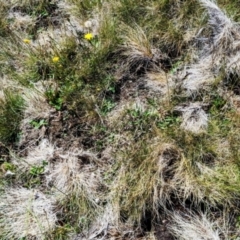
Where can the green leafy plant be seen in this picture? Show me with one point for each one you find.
(8, 166)
(168, 121)
(107, 106)
(140, 122)
(175, 66)
(38, 123)
(60, 232)
(38, 170)
(54, 98)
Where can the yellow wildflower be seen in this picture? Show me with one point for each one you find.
(88, 36)
(27, 41)
(55, 59)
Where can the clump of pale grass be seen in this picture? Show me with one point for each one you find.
(26, 213)
(20, 22)
(107, 219)
(109, 216)
(36, 109)
(53, 39)
(197, 76)
(168, 160)
(218, 18)
(226, 39)
(49, 38)
(222, 26)
(117, 113)
(75, 174)
(44, 151)
(36, 155)
(8, 83)
(92, 25)
(184, 181)
(36, 106)
(194, 118)
(221, 52)
(108, 225)
(193, 226)
(36, 103)
(136, 44)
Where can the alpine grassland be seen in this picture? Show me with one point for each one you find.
(119, 119)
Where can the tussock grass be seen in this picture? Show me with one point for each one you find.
(137, 51)
(194, 118)
(68, 179)
(32, 211)
(36, 104)
(76, 185)
(221, 53)
(149, 188)
(198, 227)
(36, 155)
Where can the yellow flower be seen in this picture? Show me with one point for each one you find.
(88, 36)
(27, 41)
(55, 59)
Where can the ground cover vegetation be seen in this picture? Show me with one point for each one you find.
(119, 119)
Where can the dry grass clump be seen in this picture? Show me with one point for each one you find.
(199, 182)
(75, 181)
(9, 84)
(36, 110)
(224, 29)
(150, 186)
(108, 225)
(225, 47)
(26, 213)
(219, 57)
(36, 155)
(194, 118)
(36, 103)
(54, 38)
(75, 174)
(20, 21)
(137, 51)
(164, 172)
(196, 226)
(220, 184)
(197, 77)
